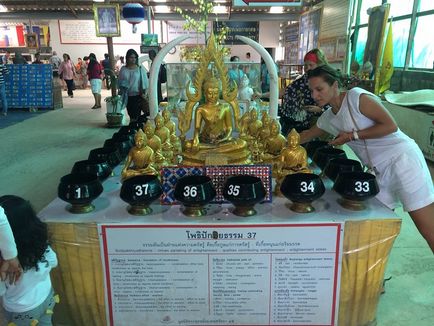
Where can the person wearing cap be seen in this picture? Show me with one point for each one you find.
(299, 110)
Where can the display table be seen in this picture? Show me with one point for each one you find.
(368, 239)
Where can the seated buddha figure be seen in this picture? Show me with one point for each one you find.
(162, 132)
(293, 159)
(255, 124)
(174, 139)
(155, 143)
(212, 133)
(140, 159)
(273, 145)
(244, 124)
(264, 133)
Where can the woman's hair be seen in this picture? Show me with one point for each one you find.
(328, 73)
(92, 61)
(131, 52)
(321, 59)
(67, 56)
(29, 231)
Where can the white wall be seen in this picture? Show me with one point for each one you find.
(268, 37)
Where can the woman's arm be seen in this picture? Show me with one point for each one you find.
(313, 132)
(374, 110)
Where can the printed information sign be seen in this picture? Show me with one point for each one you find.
(260, 274)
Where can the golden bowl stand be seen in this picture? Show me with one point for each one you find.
(139, 210)
(80, 209)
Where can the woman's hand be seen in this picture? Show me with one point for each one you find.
(10, 270)
(342, 138)
(312, 108)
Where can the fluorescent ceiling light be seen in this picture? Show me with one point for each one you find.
(220, 10)
(160, 1)
(276, 10)
(3, 8)
(162, 9)
(98, 0)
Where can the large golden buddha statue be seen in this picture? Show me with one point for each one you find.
(140, 158)
(215, 118)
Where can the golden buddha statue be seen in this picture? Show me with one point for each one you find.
(162, 132)
(174, 139)
(213, 119)
(264, 133)
(273, 146)
(141, 156)
(293, 159)
(168, 123)
(155, 143)
(244, 124)
(255, 124)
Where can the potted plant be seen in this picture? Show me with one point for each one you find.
(114, 113)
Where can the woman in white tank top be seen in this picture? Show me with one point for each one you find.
(358, 119)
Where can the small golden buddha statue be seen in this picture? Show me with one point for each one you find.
(155, 143)
(264, 133)
(168, 123)
(255, 124)
(273, 146)
(141, 156)
(244, 124)
(174, 139)
(164, 134)
(293, 159)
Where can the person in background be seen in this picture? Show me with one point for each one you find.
(30, 300)
(357, 118)
(67, 73)
(19, 59)
(134, 81)
(4, 71)
(265, 78)
(83, 71)
(248, 57)
(298, 108)
(6, 58)
(235, 73)
(10, 268)
(94, 71)
(37, 59)
(119, 63)
(106, 66)
(55, 62)
(162, 75)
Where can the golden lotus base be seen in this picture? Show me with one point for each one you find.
(231, 155)
(193, 211)
(352, 205)
(244, 211)
(80, 209)
(139, 210)
(302, 207)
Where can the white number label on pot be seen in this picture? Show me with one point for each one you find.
(190, 191)
(78, 193)
(141, 189)
(307, 187)
(362, 186)
(233, 190)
